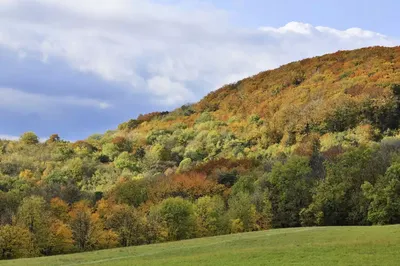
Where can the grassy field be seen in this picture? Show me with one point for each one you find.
(295, 246)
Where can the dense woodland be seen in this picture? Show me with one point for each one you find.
(312, 143)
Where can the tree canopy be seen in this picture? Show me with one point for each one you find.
(314, 142)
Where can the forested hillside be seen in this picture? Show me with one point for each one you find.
(314, 142)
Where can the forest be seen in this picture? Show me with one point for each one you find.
(312, 143)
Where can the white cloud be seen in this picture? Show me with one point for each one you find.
(175, 53)
(27, 103)
(6, 3)
(11, 137)
(8, 137)
(292, 27)
(169, 92)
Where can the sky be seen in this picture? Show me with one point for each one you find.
(81, 67)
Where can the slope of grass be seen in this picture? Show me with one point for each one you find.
(295, 246)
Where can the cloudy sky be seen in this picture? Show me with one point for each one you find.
(80, 67)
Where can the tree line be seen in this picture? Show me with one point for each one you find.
(359, 186)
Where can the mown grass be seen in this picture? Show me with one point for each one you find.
(378, 245)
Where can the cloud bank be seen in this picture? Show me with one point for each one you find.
(27, 103)
(8, 137)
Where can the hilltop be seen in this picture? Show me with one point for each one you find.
(326, 94)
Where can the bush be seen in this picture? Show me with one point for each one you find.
(29, 138)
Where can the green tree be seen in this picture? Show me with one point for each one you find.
(185, 164)
(127, 223)
(289, 187)
(80, 170)
(33, 215)
(210, 216)
(125, 161)
(8, 205)
(178, 216)
(339, 199)
(29, 138)
(111, 150)
(131, 192)
(242, 213)
(384, 197)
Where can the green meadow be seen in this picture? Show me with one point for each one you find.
(376, 245)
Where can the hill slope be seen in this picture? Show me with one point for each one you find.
(308, 92)
(315, 142)
(304, 246)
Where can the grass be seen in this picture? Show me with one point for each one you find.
(378, 245)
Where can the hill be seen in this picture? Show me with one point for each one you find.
(306, 96)
(301, 246)
(312, 143)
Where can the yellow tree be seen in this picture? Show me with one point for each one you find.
(61, 238)
(59, 209)
(88, 230)
(15, 242)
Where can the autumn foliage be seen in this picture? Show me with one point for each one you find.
(312, 143)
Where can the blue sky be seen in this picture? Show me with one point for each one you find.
(80, 67)
(379, 16)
